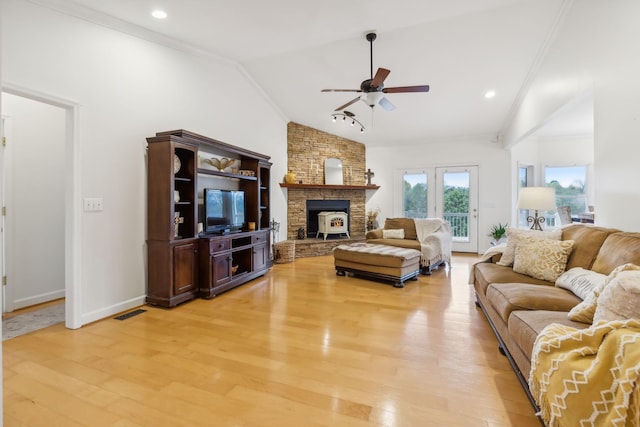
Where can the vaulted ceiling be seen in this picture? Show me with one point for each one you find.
(292, 49)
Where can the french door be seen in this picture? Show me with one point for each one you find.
(457, 202)
(450, 193)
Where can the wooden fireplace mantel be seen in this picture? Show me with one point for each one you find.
(330, 186)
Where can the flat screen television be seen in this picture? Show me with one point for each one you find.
(223, 210)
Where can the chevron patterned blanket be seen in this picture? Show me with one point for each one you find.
(588, 377)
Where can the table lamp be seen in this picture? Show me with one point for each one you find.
(538, 199)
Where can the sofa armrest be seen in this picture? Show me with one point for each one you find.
(374, 234)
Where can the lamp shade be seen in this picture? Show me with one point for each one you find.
(540, 198)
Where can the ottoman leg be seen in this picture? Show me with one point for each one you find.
(398, 285)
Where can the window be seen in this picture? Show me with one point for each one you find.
(570, 183)
(415, 195)
(525, 179)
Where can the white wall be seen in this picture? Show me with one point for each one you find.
(127, 89)
(597, 49)
(494, 176)
(34, 171)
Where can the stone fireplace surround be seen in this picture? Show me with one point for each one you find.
(307, 148)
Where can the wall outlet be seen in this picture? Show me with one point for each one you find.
(92, 204)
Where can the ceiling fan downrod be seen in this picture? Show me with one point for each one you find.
(371, 37)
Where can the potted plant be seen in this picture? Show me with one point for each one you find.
(498, 232)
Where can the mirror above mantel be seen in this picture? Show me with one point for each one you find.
(333, 171)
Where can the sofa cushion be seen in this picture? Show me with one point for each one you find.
(542, 258)
(580, 281)
(393, 233)
(588, 240)
(486, 273)
(618, 249)
(513, 238)
(620, 299)
(508, 297)
(525, 325)
(585, 311)
(407, 224)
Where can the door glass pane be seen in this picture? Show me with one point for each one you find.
(456, 204)
(415, 195)
(570, 184)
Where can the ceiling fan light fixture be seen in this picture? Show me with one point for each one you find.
(372, 98)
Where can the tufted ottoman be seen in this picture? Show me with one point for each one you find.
(378, 262)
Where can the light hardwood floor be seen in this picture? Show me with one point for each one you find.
(298, 347)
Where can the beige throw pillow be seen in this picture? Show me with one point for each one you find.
(585, 311)
(393, 234)
(542, 259)
(620, 299)
(513, 237)
(580, 281)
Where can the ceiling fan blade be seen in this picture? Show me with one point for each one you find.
(342, 107)
(341, 90)
(400, 89)
(378, 79)
(386, 104)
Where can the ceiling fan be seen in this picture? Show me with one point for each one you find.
(373, 88)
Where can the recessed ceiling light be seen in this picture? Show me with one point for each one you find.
(159, 14)
(490, 94)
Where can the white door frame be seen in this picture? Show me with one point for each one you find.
(472, 244)
(72, 202)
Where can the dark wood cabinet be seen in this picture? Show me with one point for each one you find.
(172, 271)
(229, 261)
(184, 263)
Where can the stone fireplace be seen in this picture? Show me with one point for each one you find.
(307, 149)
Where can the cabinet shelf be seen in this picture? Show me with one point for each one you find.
(226, 174)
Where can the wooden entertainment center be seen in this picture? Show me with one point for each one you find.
(184, 263)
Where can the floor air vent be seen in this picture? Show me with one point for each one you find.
(130, 314)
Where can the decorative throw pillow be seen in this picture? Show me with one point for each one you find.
(543, 259)
(580, 281)
(513, 237)
(585, 311)
(393, 234)
(620, 299)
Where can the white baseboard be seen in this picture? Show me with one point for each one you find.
(38, 299)
(113, 309)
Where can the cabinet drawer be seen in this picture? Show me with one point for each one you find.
(219, 245)
(259, 238)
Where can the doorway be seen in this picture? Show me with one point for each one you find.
(457, 202)
(33, 199)
(66, 195)
(450, 193)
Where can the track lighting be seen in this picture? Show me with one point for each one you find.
(351, 117)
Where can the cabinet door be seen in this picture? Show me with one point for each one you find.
(260, 257)
(185, 267)
(220, 269)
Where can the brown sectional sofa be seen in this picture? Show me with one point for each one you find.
(518, 306)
